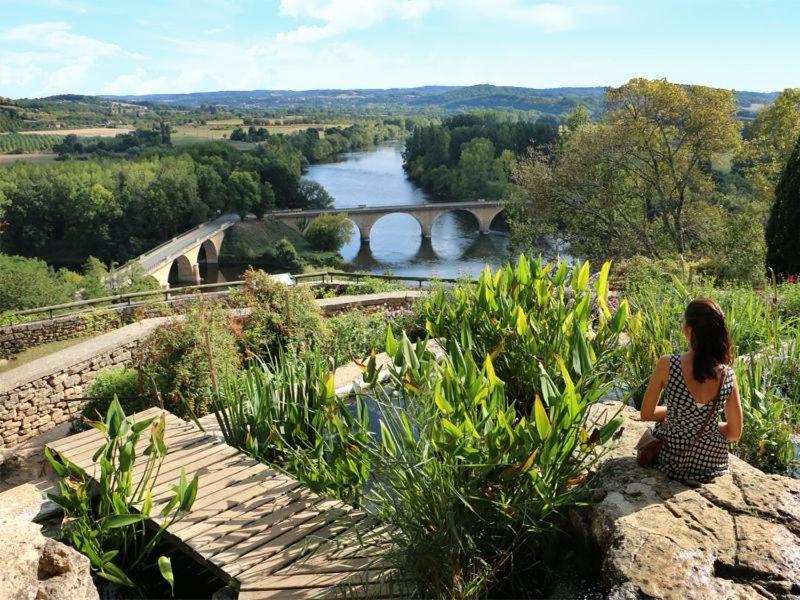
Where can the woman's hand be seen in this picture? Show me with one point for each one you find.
(650, 410)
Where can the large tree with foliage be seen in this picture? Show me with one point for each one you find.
(783, 228)
(637, 182)
(329, 232)
(771, 139)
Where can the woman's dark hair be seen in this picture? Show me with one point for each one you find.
(710, 341)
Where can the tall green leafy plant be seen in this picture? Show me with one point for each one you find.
(468, 479)
(533, 316)
(286, 413)
(105, 520)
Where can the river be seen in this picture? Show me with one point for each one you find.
(375, 177)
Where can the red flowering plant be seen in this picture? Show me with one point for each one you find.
(173, 361)
(280, 316)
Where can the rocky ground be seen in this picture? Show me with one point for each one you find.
(736, 537)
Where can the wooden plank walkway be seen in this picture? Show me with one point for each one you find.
(254, 527)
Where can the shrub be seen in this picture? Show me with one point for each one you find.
(373, 285)
(281, 316)
(287, 256)
(121, 383)
(329, 232)
(105, 521)
(471, 481)
(353, 334)
(770, 396)
(528, 316)
(287, 414)
(174, 360)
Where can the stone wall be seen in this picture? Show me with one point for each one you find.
(23, 336)
(39, 405)
(17, 338)
(43, 393)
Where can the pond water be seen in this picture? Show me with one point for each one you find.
(375, 177)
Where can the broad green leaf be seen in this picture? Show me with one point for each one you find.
(165, 567)
(601, 287)
(116, 521)
(542, 421)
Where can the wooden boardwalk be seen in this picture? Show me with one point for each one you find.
(255, 528)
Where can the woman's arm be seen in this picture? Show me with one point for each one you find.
(731, 429)
(650, 409)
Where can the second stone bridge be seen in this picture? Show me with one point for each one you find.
(484, 211)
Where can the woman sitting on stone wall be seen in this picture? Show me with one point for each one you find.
(689, 442)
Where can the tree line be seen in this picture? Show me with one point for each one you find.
(472, 155)
(667, 171)
(118, 208)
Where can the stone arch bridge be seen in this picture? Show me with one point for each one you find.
(179, 259)
(364, 218)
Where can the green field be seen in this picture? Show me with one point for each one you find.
(19, 143)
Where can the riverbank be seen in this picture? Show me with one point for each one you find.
(256, 243)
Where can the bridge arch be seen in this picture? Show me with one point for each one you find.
(500, 216)
(424, 220)
(464, 211)
(208, 252)
(182, 270)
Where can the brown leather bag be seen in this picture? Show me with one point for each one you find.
(649, 446)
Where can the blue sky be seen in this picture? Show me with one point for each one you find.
(150, 46)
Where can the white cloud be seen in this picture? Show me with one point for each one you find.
(340, 16)
(218, 30)
(60, 59)
(57, 36)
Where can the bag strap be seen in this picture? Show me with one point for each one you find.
(712, 413)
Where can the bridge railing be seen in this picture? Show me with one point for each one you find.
(170, 294)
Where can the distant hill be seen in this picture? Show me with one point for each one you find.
(74, 111)
(552, 101)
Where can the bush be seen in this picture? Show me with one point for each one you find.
(472, 482)
(287, 256)
(105, 521)
(354, 334)
(174, 361)
(286, 413)
(531, 316)
(29, 283)
(329, 232)
(121, 383)
(373, 285)
(281, 316)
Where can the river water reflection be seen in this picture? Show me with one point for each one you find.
(375, 177)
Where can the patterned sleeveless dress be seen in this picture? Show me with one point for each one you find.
(685, 418)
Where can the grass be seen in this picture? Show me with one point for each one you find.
(221, 130)
(250, 239)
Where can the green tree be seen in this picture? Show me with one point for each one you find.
(783, 227)
(771, 141)
(314, 195)
(266, 201)
(286, 254)
(243, 193)
(474, 168)
(638, 182)
(329, 232)
(28, 283)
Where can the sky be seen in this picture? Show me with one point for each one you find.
(172, 46)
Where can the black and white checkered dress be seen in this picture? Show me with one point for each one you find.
(685, 418)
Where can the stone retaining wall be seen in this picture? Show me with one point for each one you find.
(35, 397)
(15, 339)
